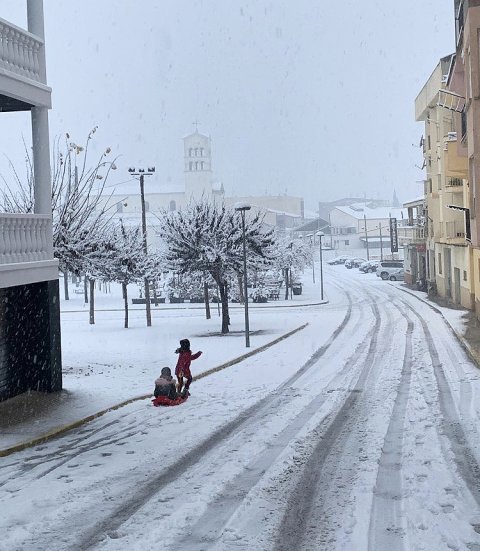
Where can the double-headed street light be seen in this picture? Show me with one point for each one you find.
(242, 208)
(142, 173)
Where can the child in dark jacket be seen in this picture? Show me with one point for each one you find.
(165, 385)
(185, 358)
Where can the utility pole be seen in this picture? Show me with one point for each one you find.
(366, 235)
(320, 235)
(141, 172)
(381, 243)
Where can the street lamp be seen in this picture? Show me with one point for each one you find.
(242, 208)
(320, 235)
(142, 173)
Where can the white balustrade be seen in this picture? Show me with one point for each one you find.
(25, 238)
(19, 51)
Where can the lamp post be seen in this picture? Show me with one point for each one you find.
(142, 173)
(320, 235)
(242, 208)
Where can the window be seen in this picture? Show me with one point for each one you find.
(201, 165)
(190, 165)
(464, 275)
(347, 242)
(201, 152)
(173, 206)
(440, 263)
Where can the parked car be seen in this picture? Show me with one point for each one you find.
(394, 274)
(369, 266)
(386, 265)
(339, 260)
(354, 262)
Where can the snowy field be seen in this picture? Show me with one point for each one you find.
(359, 432)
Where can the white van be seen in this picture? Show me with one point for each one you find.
(386, 266)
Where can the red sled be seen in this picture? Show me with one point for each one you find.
(166, 401)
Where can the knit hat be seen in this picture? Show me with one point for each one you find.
(166, 372)
(185, 344)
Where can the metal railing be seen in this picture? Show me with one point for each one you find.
(454, 182)
(20, 51)
(453, 229)
(25, 238)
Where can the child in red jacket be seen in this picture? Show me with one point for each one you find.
(185, 358)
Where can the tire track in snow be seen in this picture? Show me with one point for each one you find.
(465, 459)
(385, 530)
(155, 484)
(208, 528)
(298, 515)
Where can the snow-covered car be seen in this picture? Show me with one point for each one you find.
(369, 267)
(393, 274)
(354, 262)
(386, 265)
(338, 260)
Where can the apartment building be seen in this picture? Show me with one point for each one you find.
(448, 255)
(464, 83)
(30, 352)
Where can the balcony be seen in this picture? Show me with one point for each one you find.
(456, 164)
(22, 70)
(454, 185)
(412, 234)
(26, 250)
(453, 231)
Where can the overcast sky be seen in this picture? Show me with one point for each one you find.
(305, 97)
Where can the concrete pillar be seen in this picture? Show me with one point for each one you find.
(40, 132)
(41, 161)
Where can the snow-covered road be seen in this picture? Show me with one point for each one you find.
(360, 432)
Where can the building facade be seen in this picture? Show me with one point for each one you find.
(30, 350)
(448, 255)
(415, 245)
(360, 227)
(464, 82)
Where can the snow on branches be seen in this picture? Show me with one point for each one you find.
(207, 237)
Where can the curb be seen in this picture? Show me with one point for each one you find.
(233, 306)
(472, 354)
(65, 428)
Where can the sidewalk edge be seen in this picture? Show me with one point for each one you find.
(462, 340)
(65, 428)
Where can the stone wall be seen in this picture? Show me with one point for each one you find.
(30, 352)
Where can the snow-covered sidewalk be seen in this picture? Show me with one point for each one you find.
(106, 365)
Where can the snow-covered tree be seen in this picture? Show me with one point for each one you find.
(207, 237)
(292, 255)
(79, 219)
(123, 260)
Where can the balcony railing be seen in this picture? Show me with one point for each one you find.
(453, 229)
(19, 51)
(454, 182)
(25, 238)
